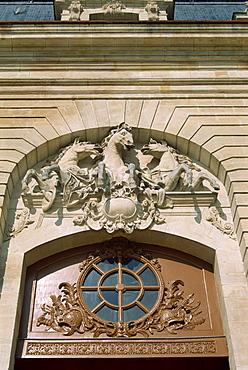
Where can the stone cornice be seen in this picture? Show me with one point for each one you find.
(170, 35)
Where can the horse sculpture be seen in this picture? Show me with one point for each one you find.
(113, 171)
(65, 170)
(168, 173)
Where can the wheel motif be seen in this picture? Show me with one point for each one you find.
(120, 289)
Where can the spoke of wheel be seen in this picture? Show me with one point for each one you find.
(98, 269)
(144, 308)
(141, 269)
(97, 308)
(120, 313)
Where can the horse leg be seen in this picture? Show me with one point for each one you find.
(46, 172)
(26, 179)
(101, 175)
(31, 174)
(171, 180)
(203, 176)
(131, 180)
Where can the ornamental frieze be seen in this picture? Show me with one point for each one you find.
(110, 186)
(153, 348)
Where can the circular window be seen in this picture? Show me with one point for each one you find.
(120, 289)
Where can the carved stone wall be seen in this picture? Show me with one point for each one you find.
(185, 84)
(116, 185)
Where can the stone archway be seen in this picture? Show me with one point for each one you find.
(17, 258)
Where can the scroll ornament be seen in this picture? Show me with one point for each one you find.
(226, 227)
(112, 193)
(172, 312)
(22, 221)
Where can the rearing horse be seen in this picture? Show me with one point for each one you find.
(61, 170)
(168, 172)
(113, 166)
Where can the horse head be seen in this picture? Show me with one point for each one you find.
(124, 140)
(120, 136)
(155, 148)
(85, 149)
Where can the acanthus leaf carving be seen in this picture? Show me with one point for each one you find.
(226, 227)
(69, 313)
(22, 221)
(110, 193)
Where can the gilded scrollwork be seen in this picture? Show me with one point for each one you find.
(170, 311)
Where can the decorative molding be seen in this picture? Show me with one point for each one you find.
(152, 10)
(226, 227)
(117, 348)
(22, 221)
(113, 7)
(171, 310)
(75, 10)
(108, 192)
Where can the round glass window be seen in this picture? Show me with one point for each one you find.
(120, 289)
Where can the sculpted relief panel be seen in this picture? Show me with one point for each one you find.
(83, 301)
(120, 292)
(116, 184)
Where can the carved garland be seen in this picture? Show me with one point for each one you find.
(170, 310)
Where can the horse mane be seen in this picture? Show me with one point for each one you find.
(114, 130)
(180, 158)
(56, 158)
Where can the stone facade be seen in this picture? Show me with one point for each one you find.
(180, 83)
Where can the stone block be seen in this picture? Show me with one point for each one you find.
(239, 199)
(245, 258)
(244, 244)
(118, 112)
(148, 111)
(163, 115)
(237, 187)
(133, 111)
(241, 212)
(215, 142)
(86, 111)
(101, 112)
(242, 227)
(231, 152)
